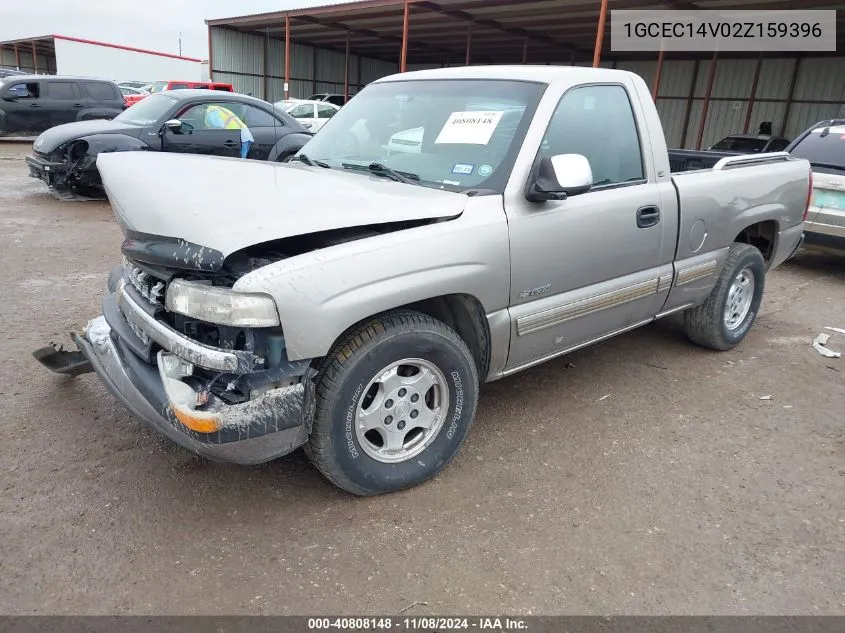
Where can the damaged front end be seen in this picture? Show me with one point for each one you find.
(69, 172)
(225, 391)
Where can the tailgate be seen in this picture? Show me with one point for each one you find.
(827, 207)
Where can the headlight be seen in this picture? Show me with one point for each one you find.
(221, 305)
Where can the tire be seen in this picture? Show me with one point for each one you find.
(710, 324)
(351, 385)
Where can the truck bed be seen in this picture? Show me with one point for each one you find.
(681, 160)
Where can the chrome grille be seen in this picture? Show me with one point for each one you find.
(151, 288)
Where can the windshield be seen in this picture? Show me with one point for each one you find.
(147, 111)
(740, 144)
(827, 150)
(453, 134)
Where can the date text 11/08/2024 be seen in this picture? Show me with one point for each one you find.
(417, 624)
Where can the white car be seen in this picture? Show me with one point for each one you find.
(312, 114)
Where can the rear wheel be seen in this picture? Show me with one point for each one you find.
(394, 402)
(725, 318)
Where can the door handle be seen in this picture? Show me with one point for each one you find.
(230, 144)
(78, 105)
(34, 105)
(647, 216)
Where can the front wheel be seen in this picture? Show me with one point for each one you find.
(725, 318)
(394, 402)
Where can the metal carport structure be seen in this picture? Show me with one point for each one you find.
(404, 35)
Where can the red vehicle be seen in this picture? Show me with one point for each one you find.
(158, 86)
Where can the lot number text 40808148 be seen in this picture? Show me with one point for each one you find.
(417, 624)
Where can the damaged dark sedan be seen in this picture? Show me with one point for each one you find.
(181, 121)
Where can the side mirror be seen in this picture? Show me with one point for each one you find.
(558, 177)
(174, 125)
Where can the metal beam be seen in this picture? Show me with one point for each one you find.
(791, 95)
(688, 110)
(287, 57)
(753, 95)
(600, 34)
(17, 57)
(525, 51)
(711, 76)
(469, 44)
(655, 86)
(403, 60)
(34, 58)
(346, 70)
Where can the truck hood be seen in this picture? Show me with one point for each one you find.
(50, 140)
(227, 204)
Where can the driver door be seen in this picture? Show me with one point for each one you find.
(197, 136)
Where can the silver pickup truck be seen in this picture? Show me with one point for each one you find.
(446, 228)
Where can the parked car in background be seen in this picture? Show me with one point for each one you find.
(823, 144)
(337, 99)
(133, 84)
(64, 157)
(9, 72)
(159, 86)
(312, 114)
(750, 144)
(354, 303)
(131, 96)
(30, 104)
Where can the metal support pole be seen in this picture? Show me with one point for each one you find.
(753, 96)
(313, 70)
(572, 56)
(600, 34)
(525, 51)
(655, 86)
(266, 87)
(34, 58)
(403, 60)
(710, 77)
(791, 95)
(469, 45)
(688, 109)
(210, 58)
(346, 70)
(17, 57)
(287, 57)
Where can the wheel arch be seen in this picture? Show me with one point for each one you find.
(762, 235)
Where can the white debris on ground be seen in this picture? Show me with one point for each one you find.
(821, 341)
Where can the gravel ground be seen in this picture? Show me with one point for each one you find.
(681, 492)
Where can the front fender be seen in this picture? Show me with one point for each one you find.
(292, 142)
(322, 293)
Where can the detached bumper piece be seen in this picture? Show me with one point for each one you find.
(49, 172)
(270, 424)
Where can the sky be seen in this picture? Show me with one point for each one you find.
(151, 24)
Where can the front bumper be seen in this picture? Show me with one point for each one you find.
(270, 425)
(49, 172)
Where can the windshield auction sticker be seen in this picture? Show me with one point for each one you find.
(469, 128)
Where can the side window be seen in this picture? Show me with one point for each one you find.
(325, 112)
(26, 90)
(255, 117)
(597, 122)
(778, 145)
(100, 91)
(304, 111)
(64, 90)
(214, 116)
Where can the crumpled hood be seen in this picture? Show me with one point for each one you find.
(227, 204)
(49, 140)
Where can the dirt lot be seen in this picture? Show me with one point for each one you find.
(680, 492)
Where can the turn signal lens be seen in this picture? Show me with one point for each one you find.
(198, 421)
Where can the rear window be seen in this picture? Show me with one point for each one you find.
(101, 91)
(823, 146)
(178, 86)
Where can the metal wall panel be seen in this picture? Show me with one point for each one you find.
(704, 76)
(723, 118)
(767, 111)
(235, 52)
(645, 69)
(694, 122)
(803, 115)
(775, 76)
(734, 78)
(372, 69)
(675, 79)
(821, 79)
(671, 113)
(244, 84)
